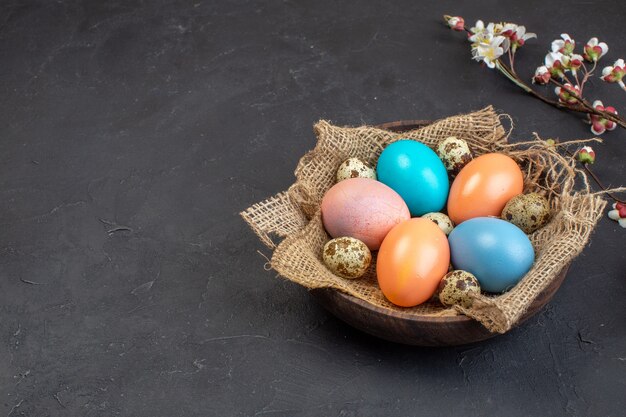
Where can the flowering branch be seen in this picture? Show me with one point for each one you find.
(491, 42)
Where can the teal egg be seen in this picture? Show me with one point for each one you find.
(414, 171)
(497, 252)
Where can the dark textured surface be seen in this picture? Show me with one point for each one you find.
(134, 132)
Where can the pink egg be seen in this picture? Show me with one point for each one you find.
(364, 209)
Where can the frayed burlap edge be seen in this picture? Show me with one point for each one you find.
(294, 217)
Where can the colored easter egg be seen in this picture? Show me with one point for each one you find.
(483, 187)
(411, 261)
(415, 172)
(497, 252)
(364, 209)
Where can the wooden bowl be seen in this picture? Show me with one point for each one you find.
(417, 330)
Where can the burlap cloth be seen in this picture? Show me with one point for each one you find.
(294, 215)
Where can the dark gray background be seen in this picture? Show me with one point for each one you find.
(170, 117)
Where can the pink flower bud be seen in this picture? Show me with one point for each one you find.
(553, 61)
(516, 35)
(595, 50)
(614, 73)
(565, 45)
(567, 94)
(574, 62)
(599, 124)
(542, 75)
(456, 23)
(586, 155)
(618, 213)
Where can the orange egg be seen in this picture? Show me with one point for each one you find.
(411, 261)
(483, 187)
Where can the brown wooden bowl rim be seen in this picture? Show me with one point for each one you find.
(400, 314)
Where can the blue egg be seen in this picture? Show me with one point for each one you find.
(414, 171)
(497, 252)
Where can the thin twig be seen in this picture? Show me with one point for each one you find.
(504, 69)
(588, 73)
(577, 82)
(512, 62)
(596, 179)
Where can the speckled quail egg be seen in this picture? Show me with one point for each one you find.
(354, 168)
(441, 220)
(455, 154)
(529, 212)
(347, 257)
(456, 287)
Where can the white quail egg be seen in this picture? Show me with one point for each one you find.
(347, 257)
(456, 287)
(441, 220)
(354, 168)
(529, 212)
(455, 154)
